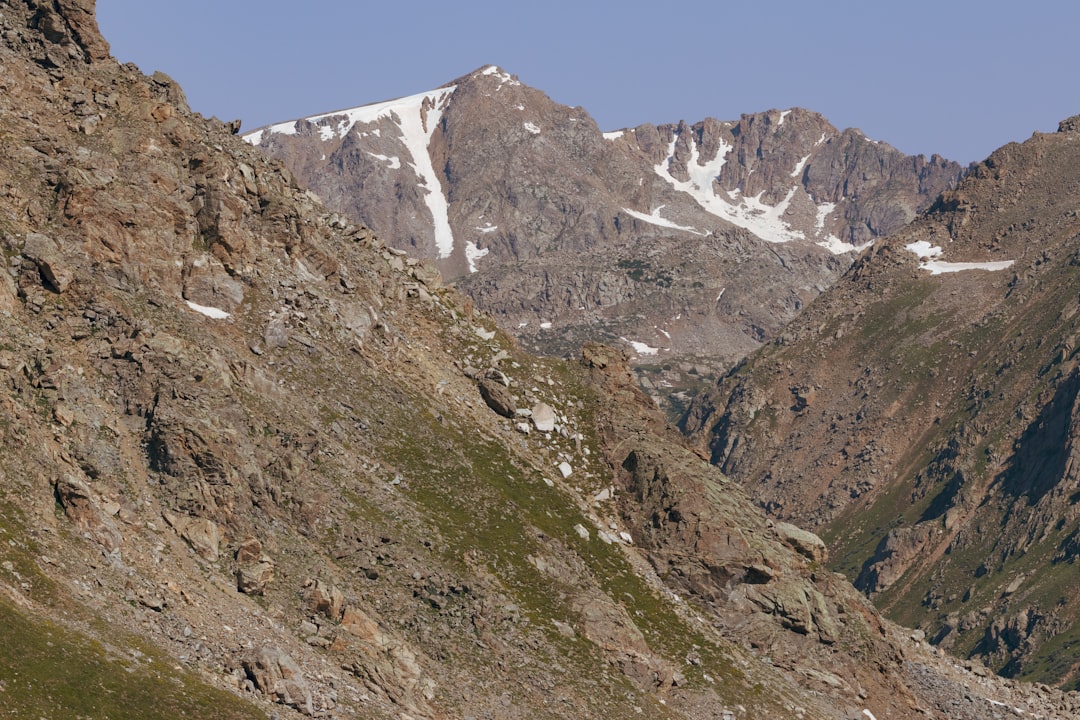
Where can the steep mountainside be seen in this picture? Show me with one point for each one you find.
(688, 244)
(253, 462)
(921, 415)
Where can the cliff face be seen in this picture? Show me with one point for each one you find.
(253, 462)
(689, 244)
(920, 415)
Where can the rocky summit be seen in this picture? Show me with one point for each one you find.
(921, 416)
(256, 463)
(687, 244)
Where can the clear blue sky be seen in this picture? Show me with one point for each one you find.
(956, 77)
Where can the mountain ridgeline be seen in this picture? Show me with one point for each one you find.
(687, 244)
(921, 416)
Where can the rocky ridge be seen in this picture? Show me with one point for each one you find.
(247, 469)
(688, 244)
(920, 416)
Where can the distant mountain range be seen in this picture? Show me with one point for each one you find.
(687, 244)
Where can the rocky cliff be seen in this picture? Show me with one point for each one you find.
(920, 415)
(255, 463)
(687, 244)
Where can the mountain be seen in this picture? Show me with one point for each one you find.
(921, 416)
(254, 463)
(687, 244)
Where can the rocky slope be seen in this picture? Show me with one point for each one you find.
(687, 244)
(254, 463)
(921, 416)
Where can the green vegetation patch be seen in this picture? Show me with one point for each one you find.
(48, 671)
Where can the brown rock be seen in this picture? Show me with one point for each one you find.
(498, 398)
(323, 598)
(46, 255)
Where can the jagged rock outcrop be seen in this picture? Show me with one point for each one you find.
(921, 415)
(690, 243)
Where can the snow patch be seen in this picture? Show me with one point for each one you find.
(641, 348)
(474, 252)
(838, 247)
(504, 77)
(210, 312)
(820, 140)
(783, 115)
(395, 162)
(532, 127)
(799, 167)
(545, 325)
(655, 219)
(489, 228)
(939, 267)
(923, 249)
(763, 220)
(824, 210)
(614, 135)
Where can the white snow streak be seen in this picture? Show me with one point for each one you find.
(783, 115)
(641, 348)
(532, 127)
(655, 219)
(761, 219)
(614, 135)
(489, 228)
(395, 162)
(923, 249)
(799, 167)
(926, 251)
(417, 128)
(939, 267)
(824, 210)
(838, 247)
(504, 77)
(474, 252)
(416, 116)
(210, 312)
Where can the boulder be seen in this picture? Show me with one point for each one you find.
(543, 417)
(802, 541)
(203, 535)
(253, 579)
(45, 253)
(323, 598)
(498, 397)
(278, 676)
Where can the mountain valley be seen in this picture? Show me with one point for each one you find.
(255, 461)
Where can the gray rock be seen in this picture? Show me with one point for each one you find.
(543, 417)
(276, 334)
